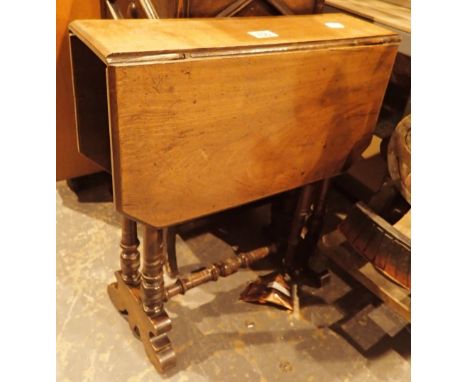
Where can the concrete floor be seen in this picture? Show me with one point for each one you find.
(343, 334)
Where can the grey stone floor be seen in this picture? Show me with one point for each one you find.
(342, 334)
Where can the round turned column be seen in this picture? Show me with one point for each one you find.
(130, 257)
(152, 280)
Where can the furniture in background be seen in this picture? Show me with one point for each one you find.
(373, 243)
(392, 14)
(366, 176)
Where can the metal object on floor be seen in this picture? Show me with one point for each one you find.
(271, 289)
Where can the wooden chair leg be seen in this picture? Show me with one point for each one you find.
(142, 303)
(152, 283)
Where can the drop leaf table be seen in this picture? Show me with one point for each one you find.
(195, 116)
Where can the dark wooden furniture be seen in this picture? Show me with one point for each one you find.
(195, 116)
(164, 9)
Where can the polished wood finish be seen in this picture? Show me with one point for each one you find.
(130, 256)
(196, 123)
(131, 9)
(69, 162)
(190, 162)
(126, 41)
(152, 274)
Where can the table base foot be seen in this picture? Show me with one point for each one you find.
(151, 331)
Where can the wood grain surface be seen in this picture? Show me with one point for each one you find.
(138, 37)
(194, 137)
(221, 118)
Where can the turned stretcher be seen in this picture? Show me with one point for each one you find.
(192, 117)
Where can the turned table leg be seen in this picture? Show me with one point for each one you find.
(300, 215)
(316, 220)
(130, 257)
(139, 298)
(301, 256)
(152, 275)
